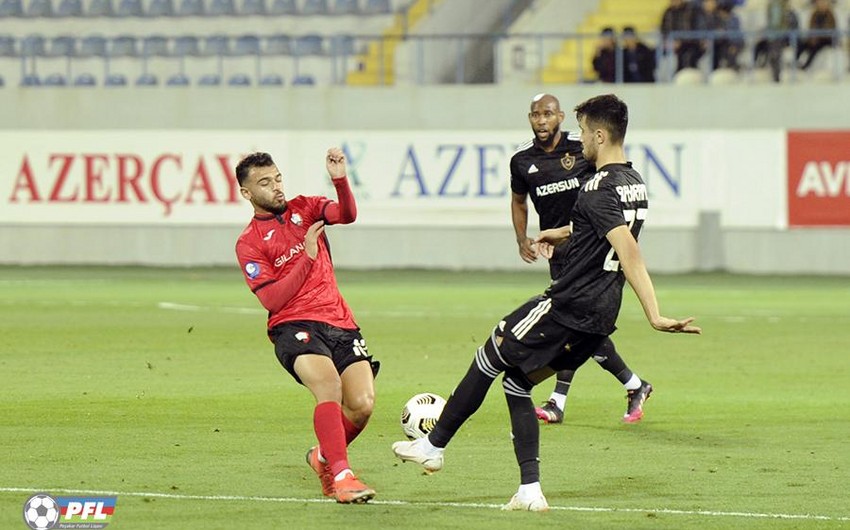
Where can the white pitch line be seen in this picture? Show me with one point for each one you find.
(253, 498)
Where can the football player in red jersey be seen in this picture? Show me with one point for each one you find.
(285, 258)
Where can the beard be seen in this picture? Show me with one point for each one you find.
(273, 207)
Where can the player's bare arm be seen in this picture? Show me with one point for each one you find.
(335, 163)
(519, 216)
(548, 239)
(634, 267)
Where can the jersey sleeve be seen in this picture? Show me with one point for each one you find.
(605, 210)
(518, 183)
(313, 208)
(256, 268)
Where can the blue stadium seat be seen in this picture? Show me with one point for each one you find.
(178, 80)
(123, 46)
(342, 45)
(160, 8)
(7, 46)
(155, 46)
(55, 80)
(239, 80)
(191, 8)
(62, 46)
(147, 80)
(100, 8)
(113, 80)
(304, 80)
(377, 7)
(11, 8)
(346, 7)
(32, 46)
(70, 8)
(30, 80)
(216, 45)
(222, 8)
(39, 8)
(278, 45)
(308, 45)
(253, 8)
(85, 80)
(92, 46)
(209, 80)
(186, 45)
(283, 7)
(129, 8)
(247, 45)
(271, 80)
(315, 7)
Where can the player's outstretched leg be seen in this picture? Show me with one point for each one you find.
(552, 411)
(637, 390)
(420, 451)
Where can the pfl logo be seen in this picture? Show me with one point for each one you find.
(43, 512)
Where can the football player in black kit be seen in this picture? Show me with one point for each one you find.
(564, 326)
(550, 168)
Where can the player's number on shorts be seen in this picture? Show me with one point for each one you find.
(634, 219)
(359, 348)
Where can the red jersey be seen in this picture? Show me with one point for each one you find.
(271, 249)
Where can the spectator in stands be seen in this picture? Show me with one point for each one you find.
(721, 23)
(638, 59)
(822, 18)
(680, 16)
(735, 37)
(605, 59)
(780, 18)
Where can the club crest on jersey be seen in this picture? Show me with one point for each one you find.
(252, 270)
(568, 161)
(296, 219)
(303, 336)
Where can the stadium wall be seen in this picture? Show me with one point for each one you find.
(709, 239)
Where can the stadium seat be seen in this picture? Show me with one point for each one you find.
(85, 79)
(283, 7)
(222, 8)
(688, 76)
(253, 8)
(129, 8)
(178, 80)
(271, 80)
(70, 8)
(241, 80)
(191, 8)
(92, 46)
(314, 7)
(186, 45)
(304, 80)
(247, 45)
(7, 46)
(216, 45)
(123, 46)
(62, 46)
(377, 7)
(11, 8)
(39, 8)
(155, 46)
(209, 80)
(115, 80)
(30, 80)
(147, 80)
(160, 8)
(342, 45)
(278, 45)
(32, 46)
(308, 45)
(99, 8)
(55, 80)
(346, 7)
(723, 76)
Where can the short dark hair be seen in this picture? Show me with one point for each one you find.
(606, 111)
(258, 159)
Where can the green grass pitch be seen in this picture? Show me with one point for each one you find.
(160, 386)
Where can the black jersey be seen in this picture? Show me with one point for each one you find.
(552, 180)
(587, 295)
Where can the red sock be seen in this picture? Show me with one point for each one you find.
(351, 430)
(327, 422)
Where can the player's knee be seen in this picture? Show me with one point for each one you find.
(360, 408)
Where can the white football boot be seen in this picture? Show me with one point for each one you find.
(431, 459)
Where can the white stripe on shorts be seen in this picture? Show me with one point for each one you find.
(524, 326)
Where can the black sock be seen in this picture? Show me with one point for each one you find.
(563, 381)
(610, 360)
(525, 428)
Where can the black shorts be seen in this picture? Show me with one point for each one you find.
(344, 346)
(532, 339)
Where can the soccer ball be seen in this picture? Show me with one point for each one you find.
(41, 512)
(420, 414)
